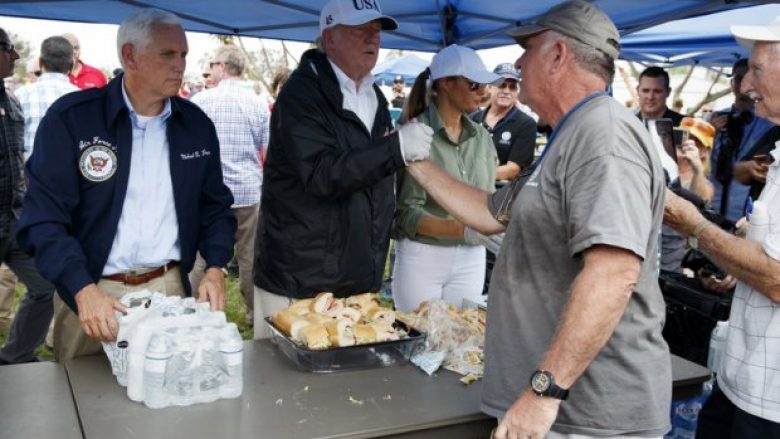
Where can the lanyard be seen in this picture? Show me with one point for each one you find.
(565, 117)
(503, 214)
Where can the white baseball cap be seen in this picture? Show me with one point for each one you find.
(456, 60)
(747, 35)
(354, 13)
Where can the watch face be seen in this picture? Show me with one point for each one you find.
(540, 382)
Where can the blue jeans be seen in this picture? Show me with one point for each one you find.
(31, 323)
(719, 418)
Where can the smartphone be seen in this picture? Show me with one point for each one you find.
(763, 159)
(680, 136)
(664, 130)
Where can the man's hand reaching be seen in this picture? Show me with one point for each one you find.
(96, 313)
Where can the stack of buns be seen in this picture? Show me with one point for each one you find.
(326, 322)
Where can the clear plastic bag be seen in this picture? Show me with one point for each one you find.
(454, 338)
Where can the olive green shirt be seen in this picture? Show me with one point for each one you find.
(472, 160)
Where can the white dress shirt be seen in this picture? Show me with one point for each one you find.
(148, 231)
(362, 101)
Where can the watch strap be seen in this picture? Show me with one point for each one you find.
(222, 269)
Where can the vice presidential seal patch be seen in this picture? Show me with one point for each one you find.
(97, 163)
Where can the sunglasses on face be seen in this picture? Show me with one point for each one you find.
(511, 85)
(474, 86)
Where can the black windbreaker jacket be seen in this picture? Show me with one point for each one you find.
(328, 190)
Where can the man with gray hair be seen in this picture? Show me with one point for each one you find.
(125, 187)
(573, 345)
(328, 189)
(744, 402)
(241, 119)
(55, 62)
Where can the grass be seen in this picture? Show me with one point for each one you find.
(235, 312)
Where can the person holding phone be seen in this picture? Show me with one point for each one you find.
(693, 157)
(753, 168)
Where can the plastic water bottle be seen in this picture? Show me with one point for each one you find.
(758, 223)
(157, 355)
(208, 376)
(717, 345)
(232, 350)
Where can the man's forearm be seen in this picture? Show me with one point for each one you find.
(743, 259)
(467, 204)
(598, 299)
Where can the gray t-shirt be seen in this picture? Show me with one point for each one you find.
(600, 183)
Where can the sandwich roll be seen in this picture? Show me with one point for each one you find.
(338, 326)
(301, 307)
(315, 337)
(364, 334)
(317, 319)
(340, 333)
(362, 302)
(334, 308)
(382, 316)
(350, 314)
(322, 302)
(290, 323)
(384, 332)
(342, 341)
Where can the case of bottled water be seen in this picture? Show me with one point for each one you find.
(174, 351)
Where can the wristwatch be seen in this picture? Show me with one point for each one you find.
(693, 238)
(543, 384)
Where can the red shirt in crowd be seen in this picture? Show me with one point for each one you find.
(88, 77)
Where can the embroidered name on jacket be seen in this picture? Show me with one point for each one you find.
(203, 153)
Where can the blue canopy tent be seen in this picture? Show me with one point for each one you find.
(704, 40)
(424, 25)
(407, 66)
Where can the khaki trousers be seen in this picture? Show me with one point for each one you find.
(70, 341)
(266, 305)
(245, 254)
(7, 294)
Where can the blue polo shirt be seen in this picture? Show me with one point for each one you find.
(78, 179)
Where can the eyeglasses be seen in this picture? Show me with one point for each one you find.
(474, 86)
(512, 85)
(8, 47)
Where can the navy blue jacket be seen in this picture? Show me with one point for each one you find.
(69, 222)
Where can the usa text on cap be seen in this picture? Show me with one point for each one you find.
(354, 13)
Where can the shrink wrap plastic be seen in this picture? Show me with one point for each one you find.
(202, 353)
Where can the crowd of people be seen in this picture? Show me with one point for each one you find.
(110, 187)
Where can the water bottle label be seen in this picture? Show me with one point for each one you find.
(155, 365)
(233, 358)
